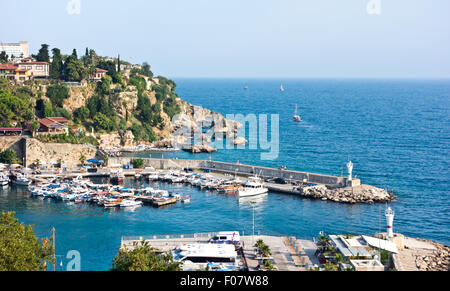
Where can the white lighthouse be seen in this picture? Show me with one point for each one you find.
(349, 170)
(389, 213)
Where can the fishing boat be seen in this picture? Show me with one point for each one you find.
(254, 186)
(117, 177)
(296, 116)
(186, 199)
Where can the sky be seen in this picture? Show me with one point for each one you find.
(246, 38)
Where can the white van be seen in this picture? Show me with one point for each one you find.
(226, 237)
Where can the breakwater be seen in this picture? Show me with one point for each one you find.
(240, 169)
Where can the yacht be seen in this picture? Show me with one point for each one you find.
(20, 179)
(198, 256)
(254, 186)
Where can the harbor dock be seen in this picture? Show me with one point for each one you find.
(288, 253)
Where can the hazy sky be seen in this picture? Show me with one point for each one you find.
(246, 38)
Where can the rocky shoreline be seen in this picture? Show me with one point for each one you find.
(439, 260)
(359, 194)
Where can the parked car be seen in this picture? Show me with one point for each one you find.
(187, 170)
(280, 181)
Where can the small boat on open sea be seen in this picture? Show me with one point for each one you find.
(296, 116)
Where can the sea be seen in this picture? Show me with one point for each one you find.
(396, 132)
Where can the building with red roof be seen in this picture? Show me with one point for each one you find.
(38, 69)
(98, 75)
(15, 73)
(53, 125)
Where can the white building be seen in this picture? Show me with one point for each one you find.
(38, 69)
(18, 50)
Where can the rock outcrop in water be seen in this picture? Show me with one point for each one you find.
(359, 194)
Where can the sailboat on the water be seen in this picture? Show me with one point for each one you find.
(281, 88)
(296, 116)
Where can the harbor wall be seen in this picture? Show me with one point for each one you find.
(239, 169)
(16, 143)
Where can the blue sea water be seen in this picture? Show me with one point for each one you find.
(396, 132)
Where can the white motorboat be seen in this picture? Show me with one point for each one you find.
(296, 116)
(254, 186)
(21, 179)
(130, 203)
(4, 179)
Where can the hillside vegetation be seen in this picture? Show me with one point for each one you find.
(127, 99)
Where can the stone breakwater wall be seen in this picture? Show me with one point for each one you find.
(439, 260)
(358, 194)
(239, 169)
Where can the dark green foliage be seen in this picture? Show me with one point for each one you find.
(20, 249)
(110, 66)
(56, 66)
(71, 138)
(57, 94)
(9, 156)
(103, 122)
(14, 106)
(48, 109)
(81, 114)
(62, 112)
(3, 57)
(74, 70)
(43, 54)
(138, 163)
(144, 258)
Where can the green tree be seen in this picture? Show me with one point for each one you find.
(144, 258)
(138, 163)
(9, 156)
(58, 93)
(3, 57)
(48, 109)
(56, 66)
(20, 249)
(82, 159)
(75, 70)
(81, 114)
(43, 54)
(34, 127)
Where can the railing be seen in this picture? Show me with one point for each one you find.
(168, 236)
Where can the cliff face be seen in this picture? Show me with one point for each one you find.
(50, 152)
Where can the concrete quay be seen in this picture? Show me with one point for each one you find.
(288, 254)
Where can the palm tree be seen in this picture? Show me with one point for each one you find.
(259, 244)
(105, 159)
(82, 159)
(59, 161)
(265, 251)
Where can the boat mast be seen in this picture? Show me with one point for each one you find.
(54, 255)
